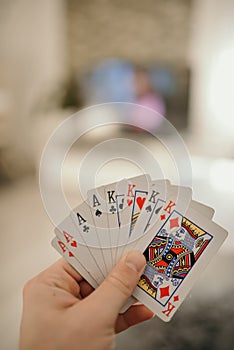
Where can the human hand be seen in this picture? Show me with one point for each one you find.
(61, 310)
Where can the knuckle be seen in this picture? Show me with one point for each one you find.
(32, 284)
(28, 287)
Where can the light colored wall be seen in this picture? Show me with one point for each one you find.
(146, 31)
(41, 40)
(32, 62)
(38, 43)
(212, 59)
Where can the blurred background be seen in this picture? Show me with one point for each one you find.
(174, 56)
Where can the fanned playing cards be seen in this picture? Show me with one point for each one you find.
(175, 233)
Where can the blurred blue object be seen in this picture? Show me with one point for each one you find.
(110, 81)
(163, 80)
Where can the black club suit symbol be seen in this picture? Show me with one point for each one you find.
(112, 209)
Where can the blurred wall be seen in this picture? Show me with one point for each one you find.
(32, 62)
(42, 42)
(212, 62)
(143, 32)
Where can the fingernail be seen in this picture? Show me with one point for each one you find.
(135, 260)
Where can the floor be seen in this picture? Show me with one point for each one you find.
(25, 250)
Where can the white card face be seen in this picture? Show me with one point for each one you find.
(129, 204)
(159, 191)
(83, 220)
(154, 204)
(96, 200)
(176, 200)
(92, 255)
(63, 250)
(112, 193)
(103, 202)
(178, 253)
(202, 209)
(134, 197)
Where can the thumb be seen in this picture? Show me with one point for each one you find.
(118, 286)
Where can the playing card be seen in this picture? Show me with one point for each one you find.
(143, 212)
(67, 233)
(130, 201)
(202, 209)
(113, 192)
(97, 201)
(83, 220)
(154, 204)
(158, 192)
(63, 250)
(178, 198)
(90, 256)
(175, 233)
(178, 253)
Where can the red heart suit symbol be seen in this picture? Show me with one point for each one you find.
(129, 201)
(140, 201)
(73, 244)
